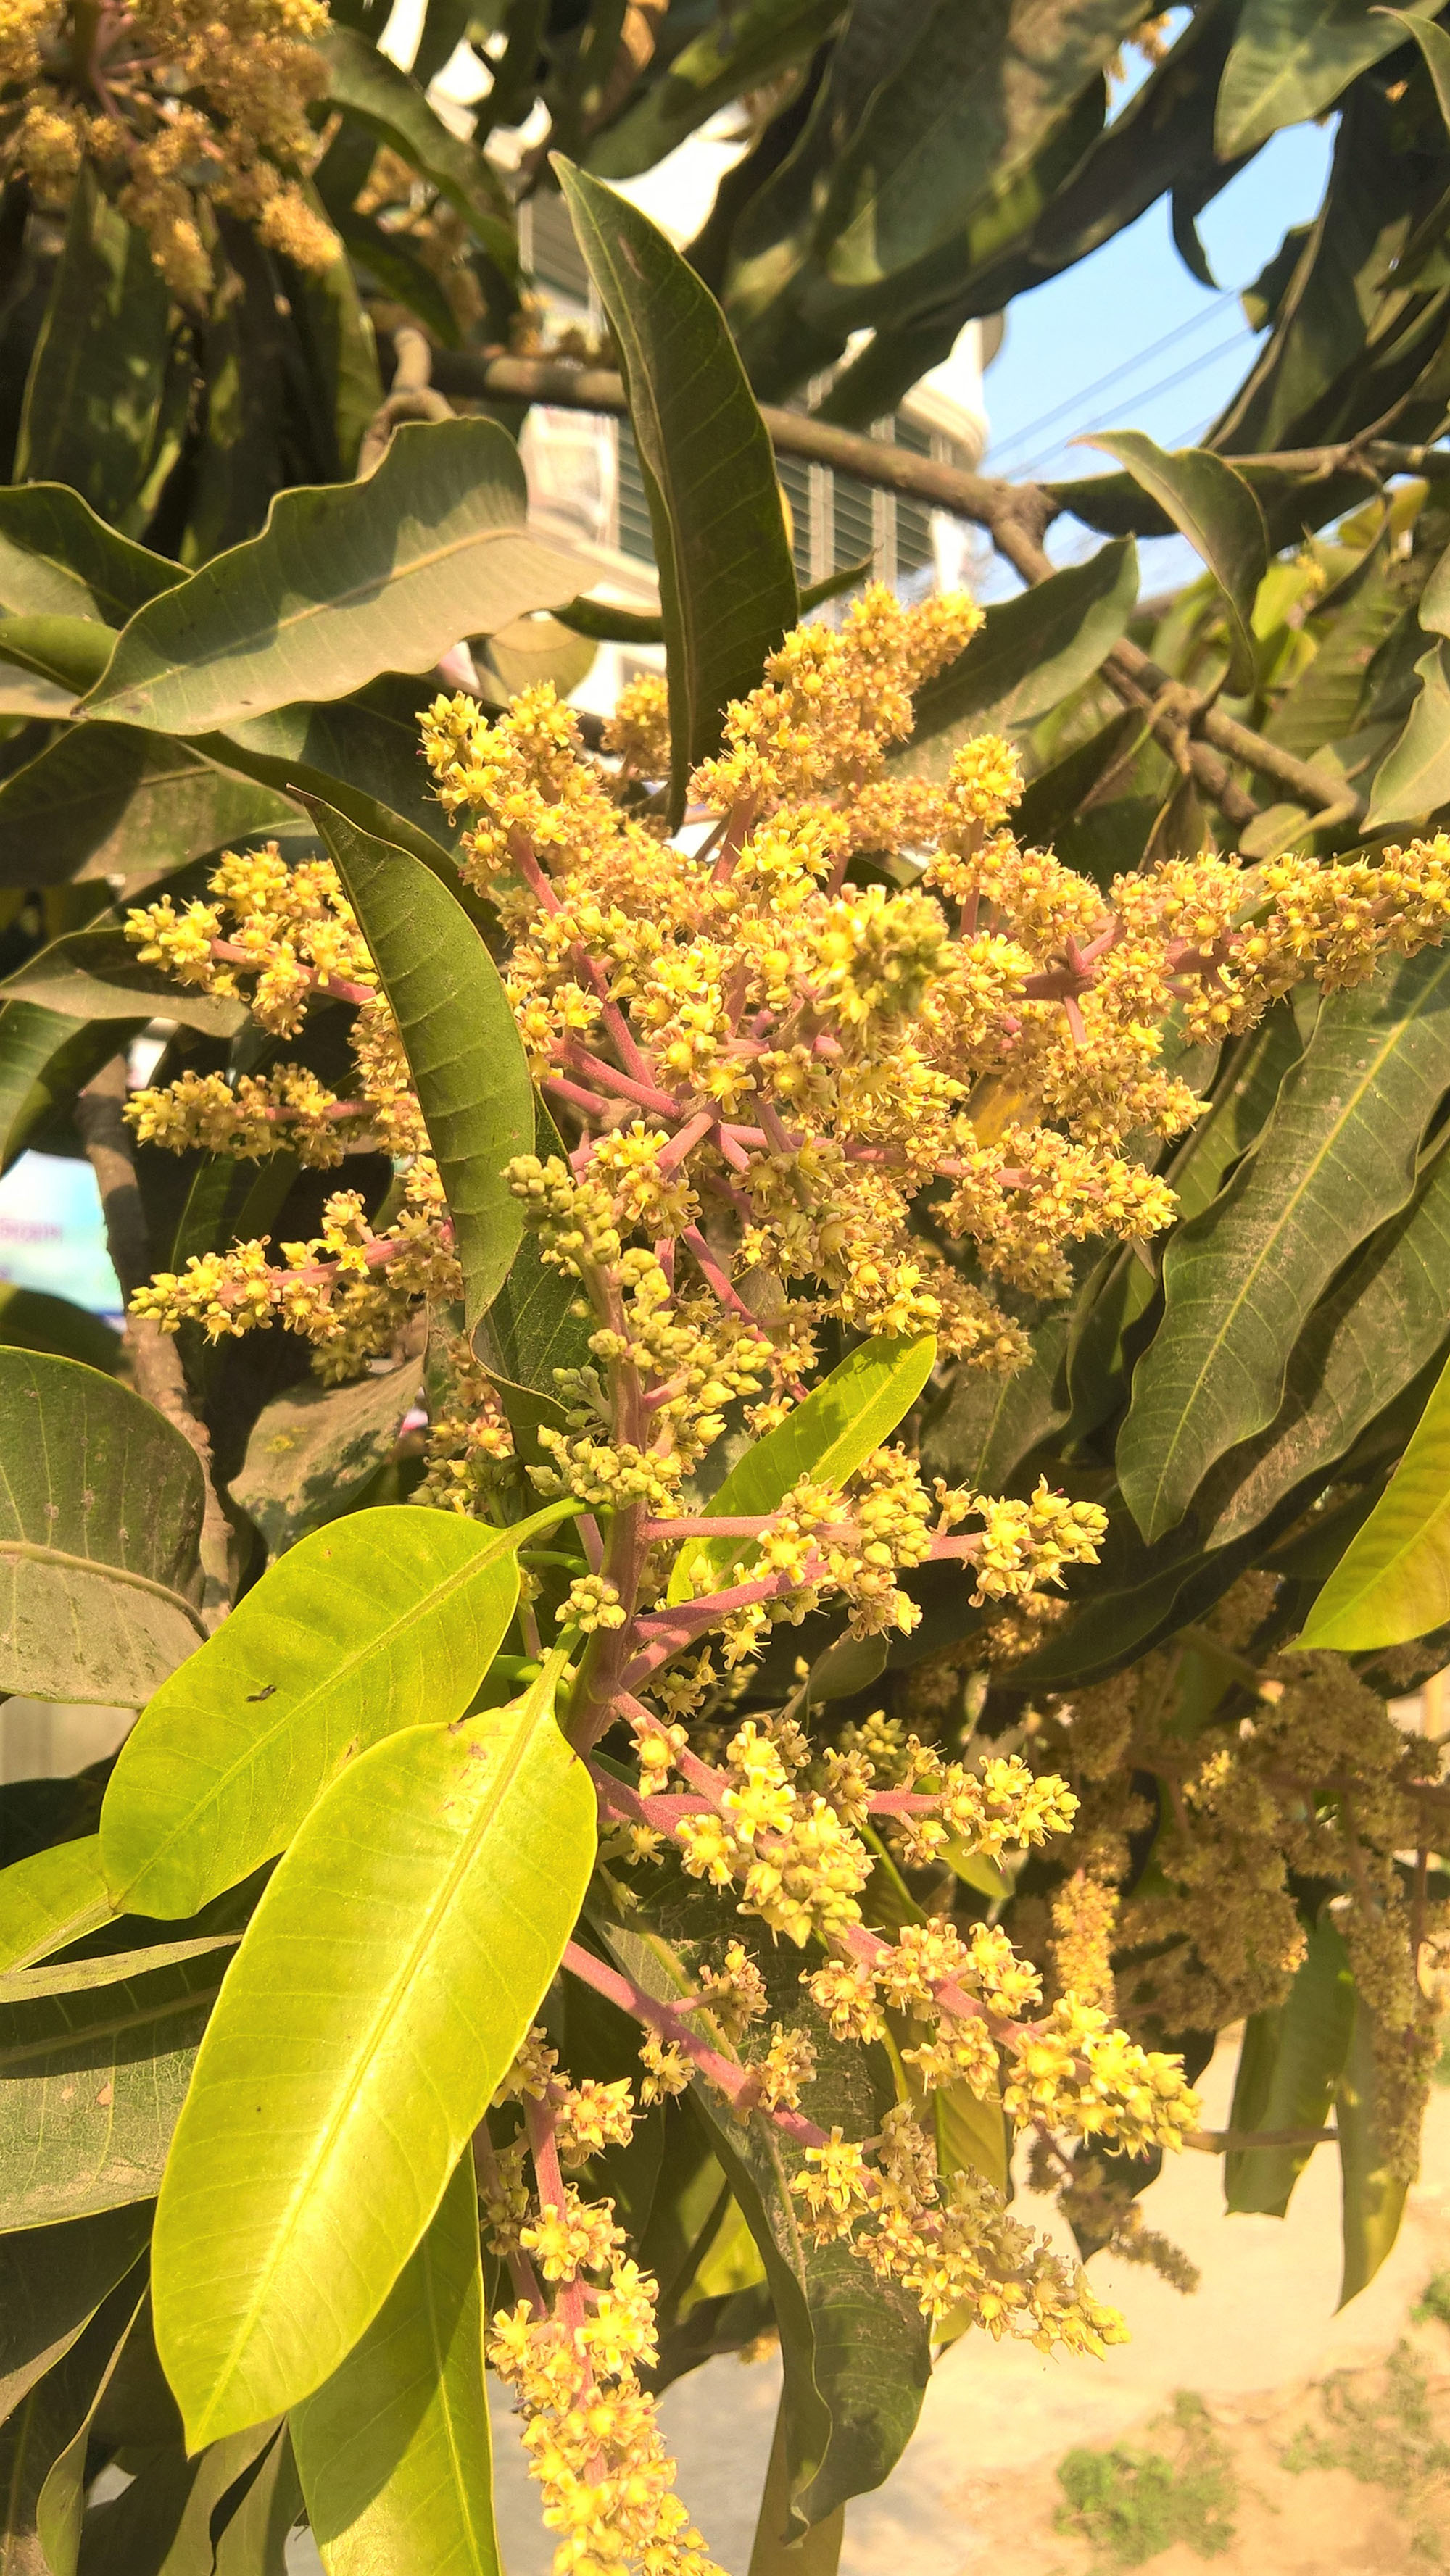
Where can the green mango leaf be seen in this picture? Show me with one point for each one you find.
(25, 693)
(742, 52)
(1239, 1282)
(40, 2434)
(1290, 2064)
(108, 1968)
(462, 1044)
(532, 650)
(989, 1422)
(1031, 653)
(540, 1321)
(50, 1898)
(97, 975)
(344, 582)
(94, 391)
(856, 2351)
(52, 2280)
(311, 1449)
(1217, 511)
(1393, 1581)
(384, 1621)
(178, 2515)
(109, 800)
(388, 103)
(57, 559)
(90, 2087)
(71, 652)
(45, 1058)
(727, 582)
(1291, 59)
(1373, 2198)
(1413, 779)
(1380, 1325)
(394, 2449)
(362, 755)
(827, 1438)
(255, 2541)
(100, 1518)
(386, 1979)
(397, 271)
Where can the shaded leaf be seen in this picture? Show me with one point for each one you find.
(52, 2280)
(93, 395)
(394, 2449)
(361, 754)
(1414, 776)
(727, 582)
(108, 800)
(1373, 2200)
(740, 53)
(827, 1438)
(1032, 651)
(1393, 1581)
(1290, 61)
(1240, 1281)
(98, 975)
(372, 89)
(57, 559)
(539, 1321)
(344, 582)
(90, 2087)
(460, 1036)
(395, 1961)
(384, 1621)
(100, 1515)
(40, 2433)
(32, 1321)
(313, 1446)
(1289, 2066)
(1215, 509)
(51, 1897)
(992, 1420)
(72, 652)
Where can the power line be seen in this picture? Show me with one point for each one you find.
(1129, 367)
(1166, 386)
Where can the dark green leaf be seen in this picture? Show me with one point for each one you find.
(40, 2433)
(372, 89)
(742, 52)
(1413, 779)
(1215, 509)
(1290, 61)
(462, 1044)
(164, 2521)
(1289, 2065)
(387, 1620)
(992, 1421)
(71, 652)
(107, 800)
(313, 1447)
(1031, 653)
(344, 582)
(93, 395)
(398, 271)
(397, 1957)
(32, 1321)
(363, 752)
(727, 583)
(1373, 2194)
(52, 2280)
(100, 1515)
(44, 1060)
(57, 559)
(394, 2449)
(1240, 1281)
(540, 1321)
(97, 975)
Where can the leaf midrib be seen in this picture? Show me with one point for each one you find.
(35, 1550)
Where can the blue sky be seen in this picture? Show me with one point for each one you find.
(1114, 309)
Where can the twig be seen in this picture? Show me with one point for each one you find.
(154, 1356)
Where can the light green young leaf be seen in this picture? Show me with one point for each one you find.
(1413, 778)
(50, 1898)
(1218, 513)
(460, 1036)
(57, 559)
(109, 800)
(727, 581)
(1373, 2196)
(1393, 1581)
(827, 1438)
(100, 1517)
(382, 1621)
(386, 1979)
(1289, 2065)
(1031, 653)
(1290, 61)
(344, 582)
(1240, 1281)
(394, 2449)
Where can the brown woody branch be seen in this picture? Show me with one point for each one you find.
(1016, 516)
(154, 1356)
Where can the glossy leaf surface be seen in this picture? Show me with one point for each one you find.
(384, 1620)
(386, 1979)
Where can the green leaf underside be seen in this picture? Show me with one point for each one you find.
(385, 1981)
(394, 2450)
(90, 2087)
(382, 1621)
(1290, 2063)
(97, 975)
(1217, 512)
(827, 1438)
(1290, 61)
(727, 582)
(344, 582)
(57, 559)
(1414, 776)
(1393, 1581)
(1240, 1281)
(52, 2280)
(109, 800)
(100, 1515)
(312, 1447)
(460, 1036)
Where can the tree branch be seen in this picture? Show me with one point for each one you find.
(154, 1356)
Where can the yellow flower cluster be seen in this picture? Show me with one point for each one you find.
(178, 107)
